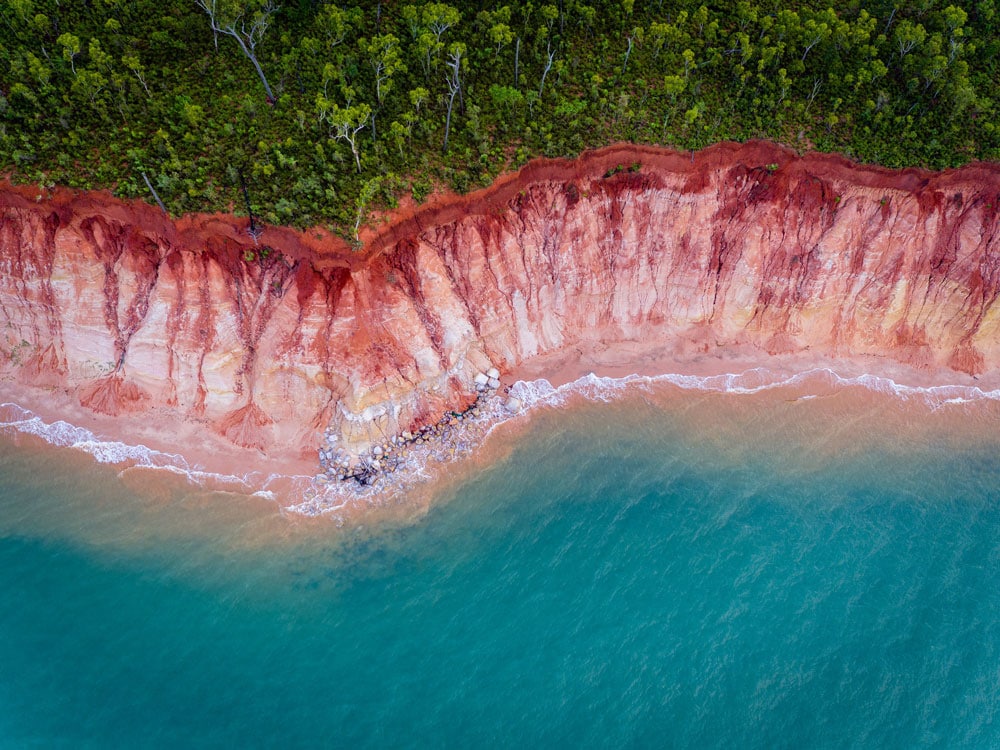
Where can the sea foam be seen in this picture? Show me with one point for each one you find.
(419, 466)
(62, 434)
(597, 388)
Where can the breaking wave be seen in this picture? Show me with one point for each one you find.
(596, 388)
(304, 497)
(16, 418)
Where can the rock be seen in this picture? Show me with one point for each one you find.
(494, 383)
(493, 373)
(481, 379)
(513, 404)
(377, 450)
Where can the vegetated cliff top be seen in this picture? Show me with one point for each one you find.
(325, 111)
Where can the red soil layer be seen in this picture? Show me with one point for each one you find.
(740, 247)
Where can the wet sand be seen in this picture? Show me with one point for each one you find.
(624, 359)
(656, 381)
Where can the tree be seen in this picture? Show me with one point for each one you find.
(246, 21)
(131, 61)
(673, 86)
(545, 71)
(439, 17)
(813, 33)
(71, 48)
(369, 189)
(427, 26)
(658, 32)
(418, 96)
(454, 65)
(688, 57)
(500, 34)
(345, 122)
(509, 103)
(637, 33)
(335, 24)
(88, 84)
(383, 55)
(907, 36)
(399, 134)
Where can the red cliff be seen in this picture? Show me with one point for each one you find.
(267, 344)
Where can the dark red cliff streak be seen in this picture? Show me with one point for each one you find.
(743, 245)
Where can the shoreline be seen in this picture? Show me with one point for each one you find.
(288, 478)
(681, 358)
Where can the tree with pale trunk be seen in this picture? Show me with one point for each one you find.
(454, 66)
(246, 21)
(345, 123)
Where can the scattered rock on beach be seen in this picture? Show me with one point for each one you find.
(454, 433)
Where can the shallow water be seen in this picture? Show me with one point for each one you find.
(814, 565)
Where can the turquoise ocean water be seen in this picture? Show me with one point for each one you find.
(811, 566)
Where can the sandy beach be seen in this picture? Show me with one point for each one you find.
(286, 477)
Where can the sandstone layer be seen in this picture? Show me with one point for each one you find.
(268, 342)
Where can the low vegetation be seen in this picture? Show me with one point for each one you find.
(328, 110)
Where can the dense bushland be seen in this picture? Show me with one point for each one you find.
(327, 110)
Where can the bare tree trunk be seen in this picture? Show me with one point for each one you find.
(256, 64)
(628, 52)
(153, 191)
(454, 88)
(254, 231)
(447, 122)
(548, 67)
(517, 58)
(236, 27)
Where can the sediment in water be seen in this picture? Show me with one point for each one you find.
(440, 455)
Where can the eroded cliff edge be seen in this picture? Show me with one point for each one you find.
(268, 343)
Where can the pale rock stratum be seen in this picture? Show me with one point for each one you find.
(268, 344)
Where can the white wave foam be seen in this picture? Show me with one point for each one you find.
(329, 498)
(420, 466)
(67, 435)
(542, 392)
(117, 453)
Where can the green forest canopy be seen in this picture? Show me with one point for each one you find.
(329, 109)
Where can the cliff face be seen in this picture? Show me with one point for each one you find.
(269, 343)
